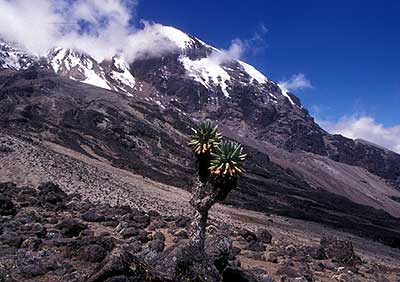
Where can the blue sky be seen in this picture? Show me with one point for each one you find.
(349, 50)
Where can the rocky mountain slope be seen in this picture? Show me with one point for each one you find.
(45, 117)
(137, 116)
(203, 81)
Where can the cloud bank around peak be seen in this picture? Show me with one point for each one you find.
(296, 82)
(239, 47)
(101, 28)
(367, 128)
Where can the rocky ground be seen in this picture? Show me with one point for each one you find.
(266, 246)
(48, 235)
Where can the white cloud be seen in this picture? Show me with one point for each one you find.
(239, 47)
(367, 128)
(296, 82)
(234, 52)
(99, 27)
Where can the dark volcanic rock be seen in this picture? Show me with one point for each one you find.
(71, 227)
(32, 249)
(11, 239)
(317, 253)
(183, 263)
(91, 216)
(120, 265)
(32, 265)
(248, 235)
(159, 236)
(7, 207)
(52, 194)
(237, 275)
(157, 245)
(142, 220)
(249, 275)
(93, 253)
(31, 243)
(219, 249)
(338, 250)
(129, 232)
(255, 246)
(263, 236)
(182, 221)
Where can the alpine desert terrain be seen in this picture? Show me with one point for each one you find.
(97, 174)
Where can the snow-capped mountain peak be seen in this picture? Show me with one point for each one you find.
(205, 65)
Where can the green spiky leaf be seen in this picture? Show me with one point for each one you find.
(205, 137)
(226, 159)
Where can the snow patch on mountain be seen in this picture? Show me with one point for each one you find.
(122, 75)
(78, 66)
(207, 72)
(94, 79)
(11, 61)
(254, 73)
(285, 93)
(181, 39)
(14, 58)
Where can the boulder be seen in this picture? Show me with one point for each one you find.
(248, 235)
(31, 243)
(264, 236)
(7, 207)
(120, 265)
(160, 223)
(129, 232)
(234, 252)
(11, 239)
(39, 230)
(142, 221)
(236, 274)
(143, 236)
(31, 264)
(182, 221)
(71, 227)
(218, 248)
(159, 236)
(157, 246)
(340, 251)
(52, 194)
(314, 252)
(181, 263)
(91, 216)
(133, 248)
(255, 246)
(92, 253)
(182, 234)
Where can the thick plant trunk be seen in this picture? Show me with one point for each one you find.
(199, 225)
(204, 196)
